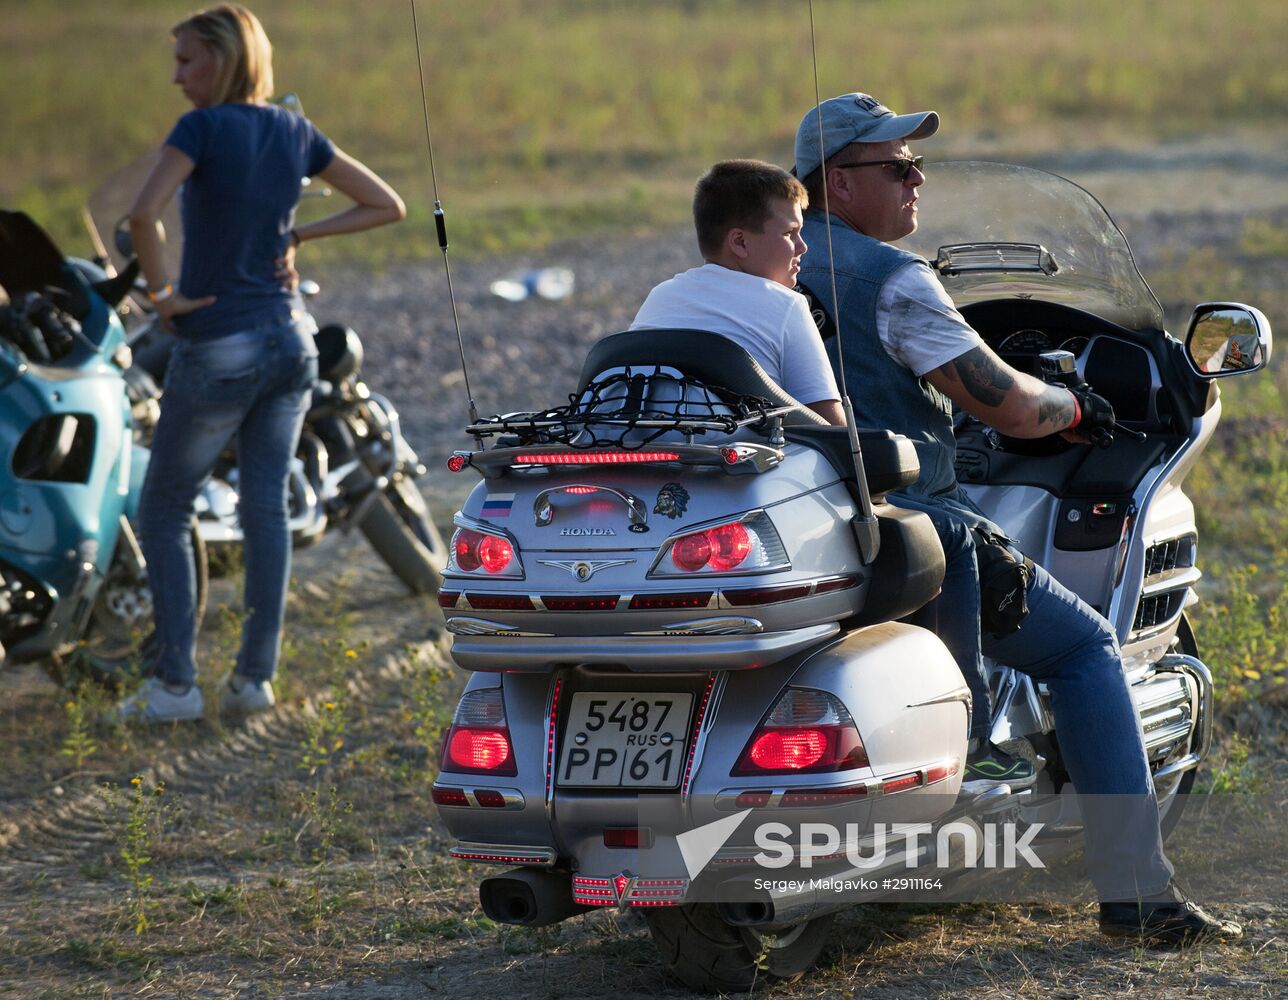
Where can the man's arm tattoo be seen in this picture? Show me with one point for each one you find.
(981, 375)
(1055, 407)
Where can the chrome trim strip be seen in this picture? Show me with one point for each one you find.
(962, 694)
(464, 625)
(709, 626)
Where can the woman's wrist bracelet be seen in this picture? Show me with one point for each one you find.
(160, 294)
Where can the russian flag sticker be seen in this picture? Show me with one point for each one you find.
(497, 505)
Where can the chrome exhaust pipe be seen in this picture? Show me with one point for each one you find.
(528, 897)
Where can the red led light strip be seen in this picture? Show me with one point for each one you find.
(505, 859)
(604, 602)
(593, 891)
(550, 740)
(693, 741)
(594, 457)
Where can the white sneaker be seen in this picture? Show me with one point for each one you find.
(154, 703)
(242, 696)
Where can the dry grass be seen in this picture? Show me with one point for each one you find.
(553, 118)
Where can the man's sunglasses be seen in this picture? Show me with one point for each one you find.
(901, 167)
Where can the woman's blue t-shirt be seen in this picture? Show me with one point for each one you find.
(238, 207)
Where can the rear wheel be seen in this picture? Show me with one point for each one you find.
(710, 955)
(399, 528)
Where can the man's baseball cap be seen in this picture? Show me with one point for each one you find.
(854, 118)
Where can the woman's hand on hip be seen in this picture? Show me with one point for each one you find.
(179, 304)
(286, 273)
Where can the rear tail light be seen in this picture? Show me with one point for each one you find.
(449, 796)
(748, 544)
(478, 741)
(484, 554)
(901, 783)
(670, 602)
(806, 732)
(588, 602)
(500, 602)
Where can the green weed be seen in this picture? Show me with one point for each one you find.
(1239, 775)
(78, 739)
(431, 692)
(1242, 634)
(136, 841)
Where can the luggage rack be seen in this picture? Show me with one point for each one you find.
(618, 420)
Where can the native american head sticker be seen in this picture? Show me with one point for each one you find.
(672, 500)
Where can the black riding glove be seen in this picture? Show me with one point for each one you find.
(1096, 422)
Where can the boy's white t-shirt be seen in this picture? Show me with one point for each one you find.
(769, 320)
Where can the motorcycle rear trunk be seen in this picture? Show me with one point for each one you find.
(639, 618)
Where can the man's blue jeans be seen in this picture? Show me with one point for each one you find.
(256, 385)
(1073, 650)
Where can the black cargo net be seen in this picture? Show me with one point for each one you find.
(630, 409)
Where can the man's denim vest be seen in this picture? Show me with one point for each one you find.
(882, 392)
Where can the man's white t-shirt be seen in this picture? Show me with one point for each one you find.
(770, 321)
(918, 324)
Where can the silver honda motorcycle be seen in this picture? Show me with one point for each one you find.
(680, 598)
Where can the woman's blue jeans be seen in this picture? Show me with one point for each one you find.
(254, 385)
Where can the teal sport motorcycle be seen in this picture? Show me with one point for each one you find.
(73, 582)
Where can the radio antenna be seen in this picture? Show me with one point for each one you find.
(867, 532)
(440, 223)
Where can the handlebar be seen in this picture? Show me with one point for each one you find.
(1060, 368)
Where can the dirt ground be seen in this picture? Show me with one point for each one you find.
(299, 855)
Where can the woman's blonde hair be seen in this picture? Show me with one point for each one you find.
(241, 49)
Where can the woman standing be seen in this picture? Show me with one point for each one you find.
(245, 362)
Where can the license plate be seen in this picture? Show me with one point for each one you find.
(620, 739)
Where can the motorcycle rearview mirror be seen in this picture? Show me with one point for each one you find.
(1227, 338)
(122, 239)
(308, 190)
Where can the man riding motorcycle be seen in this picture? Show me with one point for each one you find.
(909, 355)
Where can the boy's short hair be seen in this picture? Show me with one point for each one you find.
(738, 194)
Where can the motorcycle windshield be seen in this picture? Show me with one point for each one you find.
(986, 206)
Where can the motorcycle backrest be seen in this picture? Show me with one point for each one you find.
(723, 366)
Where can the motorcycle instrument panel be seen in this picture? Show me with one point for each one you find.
(616, 739)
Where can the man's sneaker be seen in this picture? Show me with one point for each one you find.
(243, 696)
(1177, 921)
(154, 703)
(990, 766)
